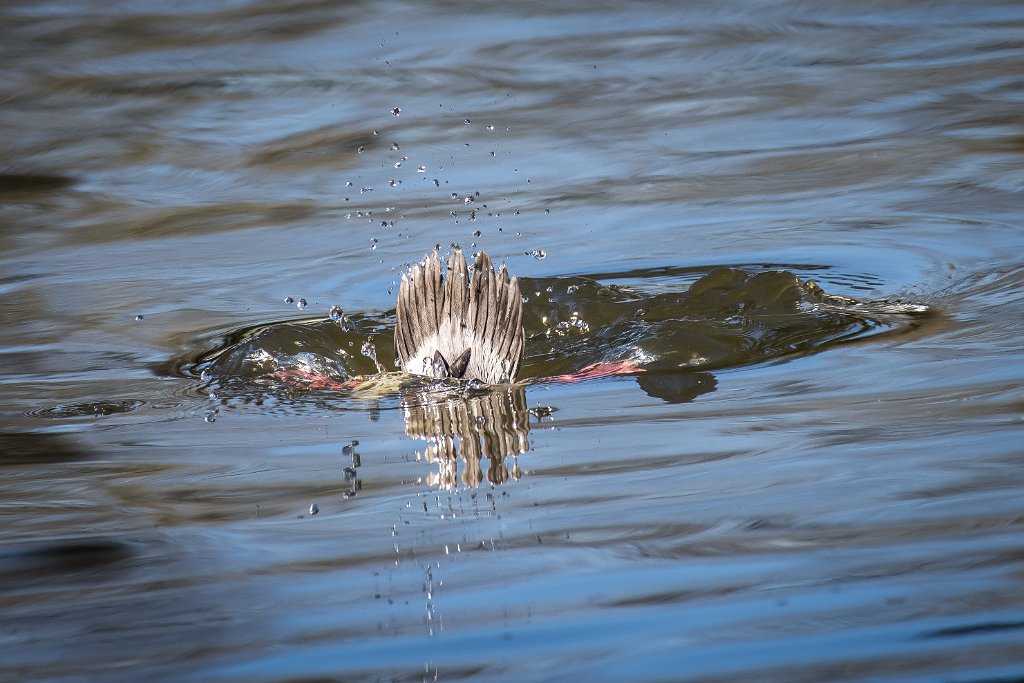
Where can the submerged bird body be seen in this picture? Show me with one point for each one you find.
(460, 327)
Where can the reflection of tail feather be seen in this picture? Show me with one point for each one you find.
(492, 425)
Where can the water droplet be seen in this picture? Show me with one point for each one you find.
(472, 215)
(359, 149)
(538, 254)
(396, 111)
(373, 241)
(289, 300)
(547, 210)
(370, 351)
(398, 164)
(138, 317)
(467, 122)
(476, 233)
(348, 183)
(492, 154)
(314, 508)
(543, 411)
(205, 375)
(571, 289)
(395, 147)
(437, 183)
(364, 190)
(394, 183)
(455, 195)
(337, 313)
(490, 127)
(421, 169)
(301, 303)
(468, 200)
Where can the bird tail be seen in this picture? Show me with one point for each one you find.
(460, 326)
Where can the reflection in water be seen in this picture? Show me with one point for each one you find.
(679, 387)
(492, 425)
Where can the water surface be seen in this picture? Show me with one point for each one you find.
(788, 492)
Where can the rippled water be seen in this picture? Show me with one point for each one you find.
(805, 482)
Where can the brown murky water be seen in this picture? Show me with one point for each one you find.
(802, 226)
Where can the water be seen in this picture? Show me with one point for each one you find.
(805, 494)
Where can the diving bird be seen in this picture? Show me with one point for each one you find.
(460, 326)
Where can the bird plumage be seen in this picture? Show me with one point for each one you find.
(462, 326)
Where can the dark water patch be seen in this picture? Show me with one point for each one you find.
(146, 29)
(197, 85)
(677, 388)
(328, 347)
(327, 146)
(33, 448)
(192, 220)
(17, 186)
(729, 317)
(974, 629)
(62, 561)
